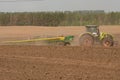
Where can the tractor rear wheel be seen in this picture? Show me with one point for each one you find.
(86, 40)
(107, 42)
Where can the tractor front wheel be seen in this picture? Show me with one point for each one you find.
(107, 42)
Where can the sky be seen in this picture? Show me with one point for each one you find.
(58, 5)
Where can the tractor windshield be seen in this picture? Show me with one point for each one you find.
(92, 30)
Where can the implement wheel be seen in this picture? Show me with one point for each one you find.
(67, 44)
(64, 43)
(86, 40)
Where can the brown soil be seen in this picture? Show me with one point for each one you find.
(35, 62)
(59, 63)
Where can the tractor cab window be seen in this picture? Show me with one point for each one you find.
(92, 30)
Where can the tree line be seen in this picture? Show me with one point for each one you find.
(75, 18)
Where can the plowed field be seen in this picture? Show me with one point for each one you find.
(59, 63)
(38, 62)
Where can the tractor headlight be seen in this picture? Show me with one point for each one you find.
(95, 34)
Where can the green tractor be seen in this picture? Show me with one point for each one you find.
(93, 36)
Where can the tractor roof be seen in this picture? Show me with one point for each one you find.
(92, 26)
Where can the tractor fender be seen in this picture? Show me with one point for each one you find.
(105, 35)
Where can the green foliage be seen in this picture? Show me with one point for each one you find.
(58, 18)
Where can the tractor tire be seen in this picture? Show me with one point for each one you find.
(86, 40)
(107, 42)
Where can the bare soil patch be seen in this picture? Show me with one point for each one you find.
(59, 63)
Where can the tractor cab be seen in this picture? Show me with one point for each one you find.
(93, 29)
